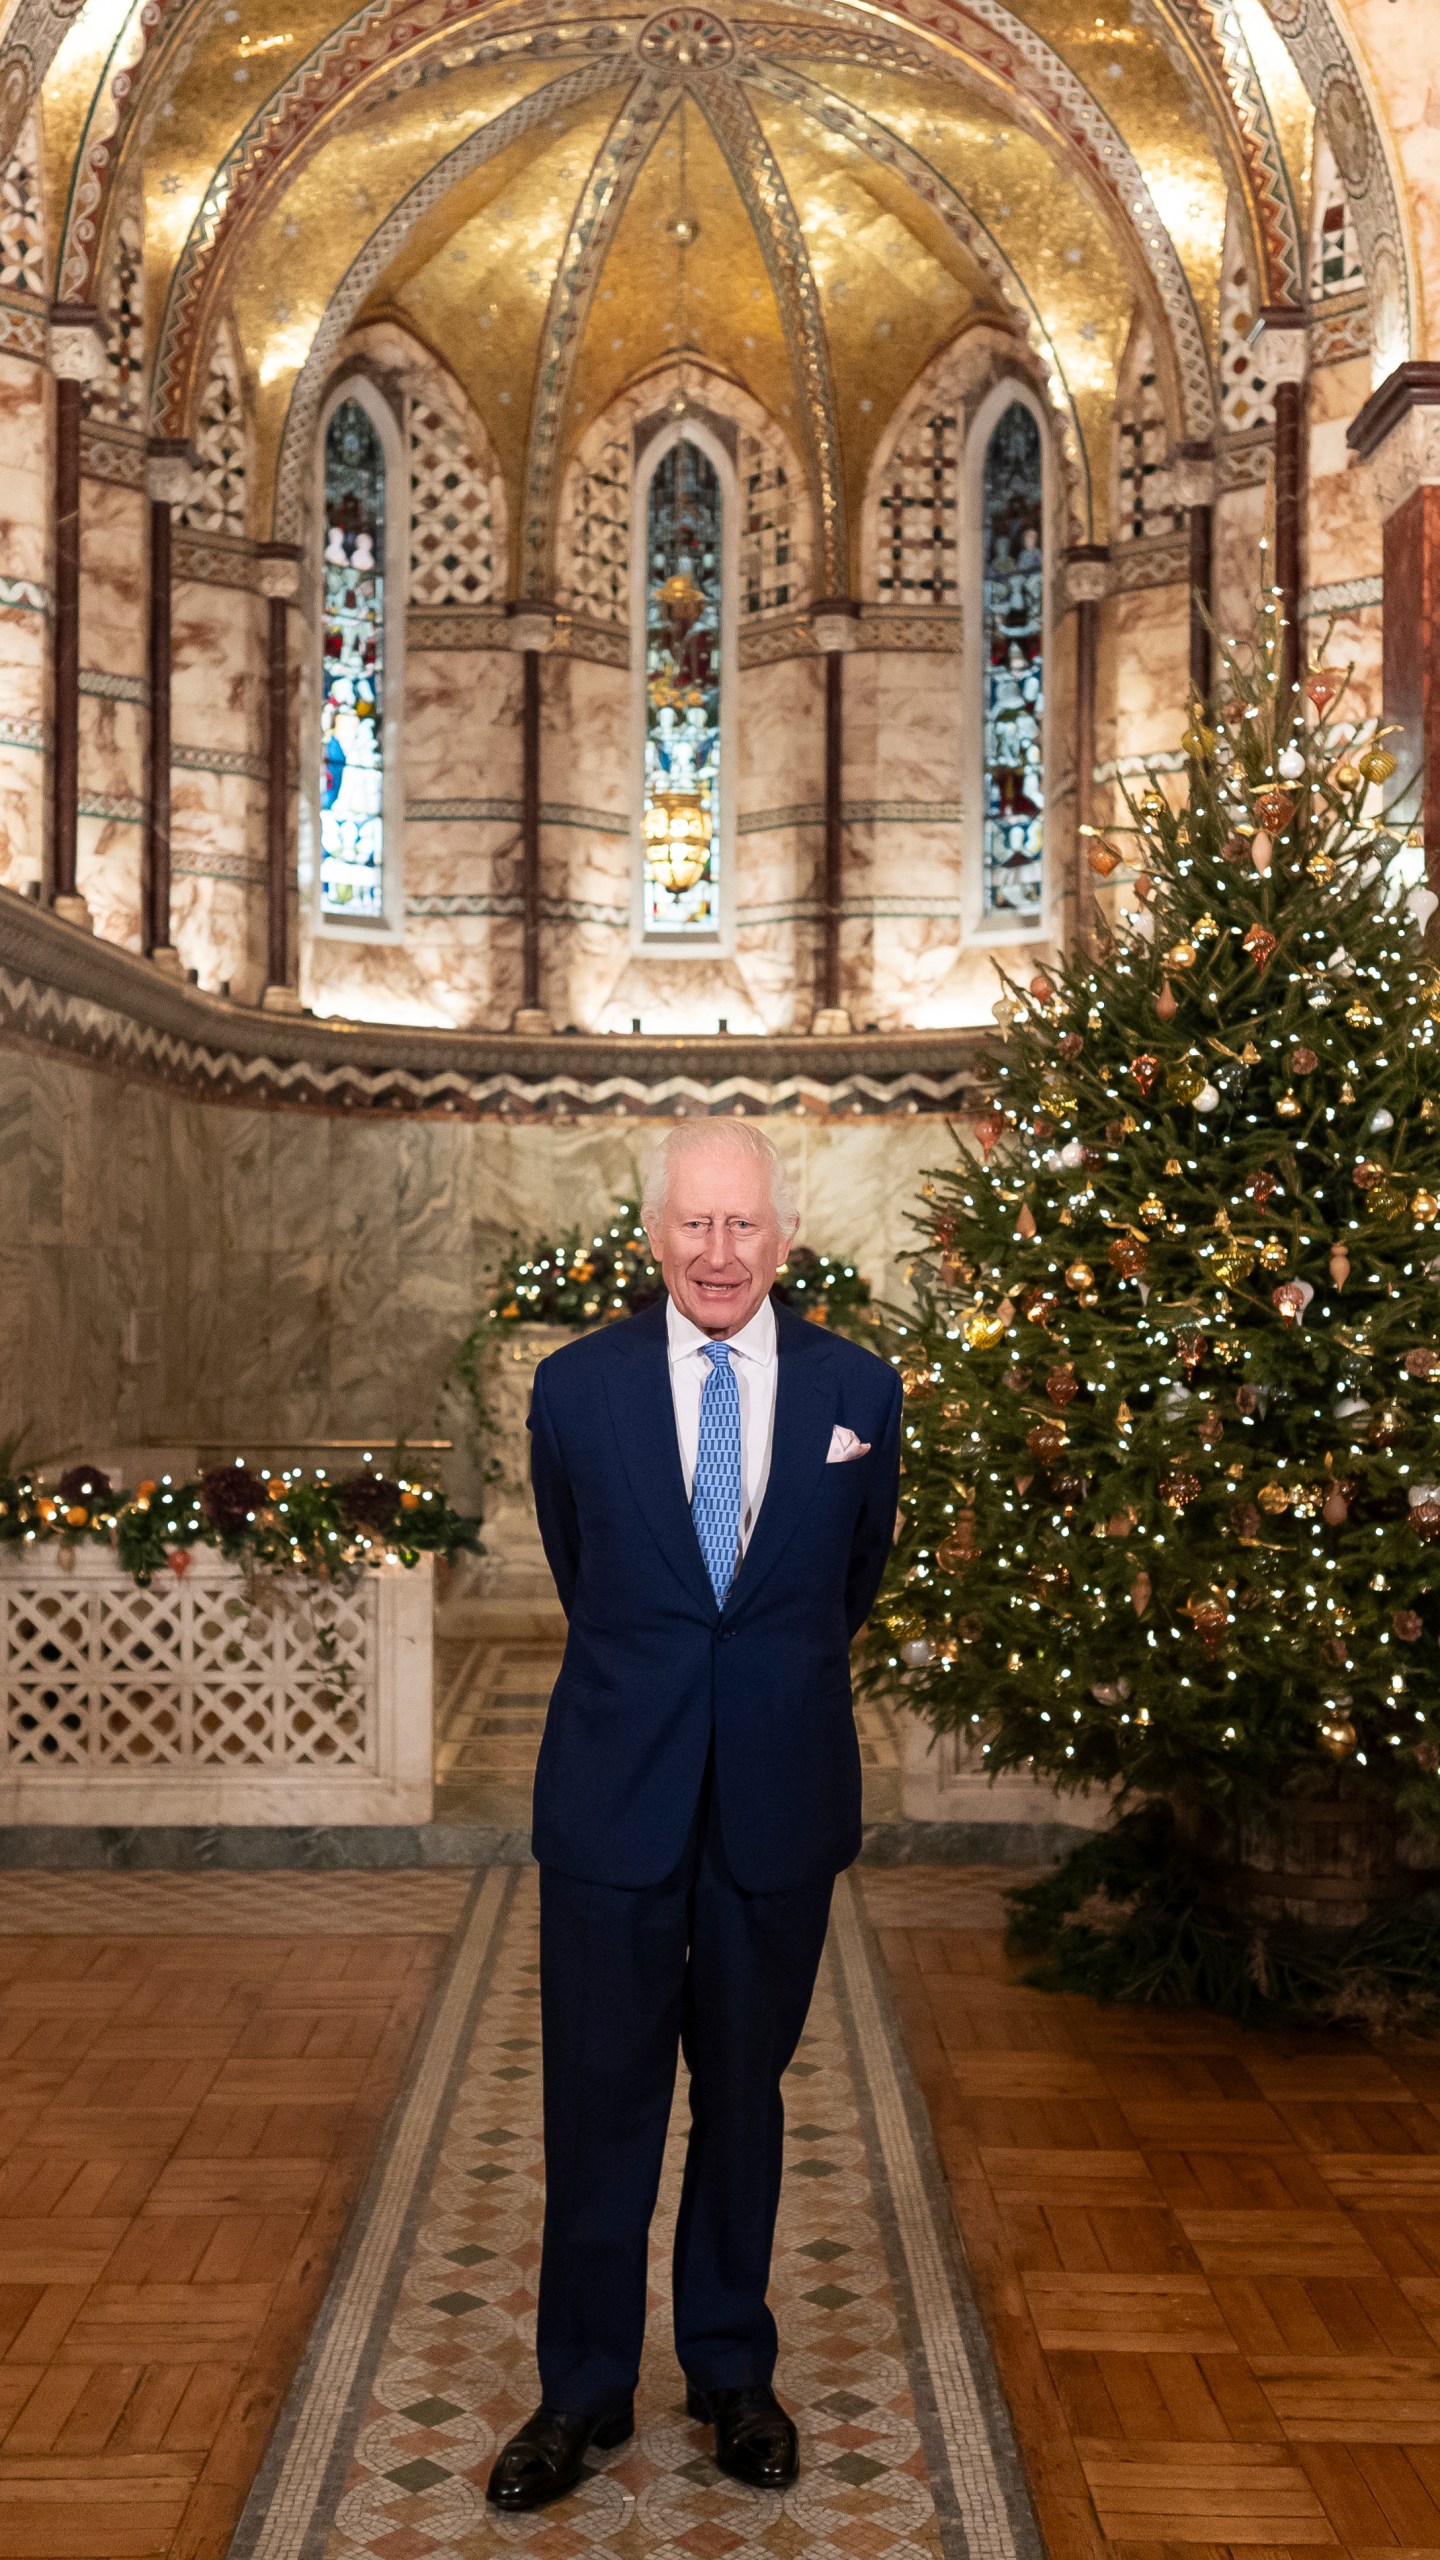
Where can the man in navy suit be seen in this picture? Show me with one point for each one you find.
(716, 1484)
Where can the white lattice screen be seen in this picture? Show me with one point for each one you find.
(199, 1685)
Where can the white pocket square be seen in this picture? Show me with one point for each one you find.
(844, 1444)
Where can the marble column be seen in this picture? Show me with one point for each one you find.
(1397, 435)
(167, 474)
(279, 579)
(1087, 581)
(833, 623)
(1282, 344)
(77, 356)
(530, 629)
(1194, 487)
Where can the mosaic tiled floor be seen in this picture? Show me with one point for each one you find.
(422, 2362)
(490, 1702)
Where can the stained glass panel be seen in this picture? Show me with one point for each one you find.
(681, 824)
(1014, 639)
(353, 669)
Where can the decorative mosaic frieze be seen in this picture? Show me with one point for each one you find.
(22, 239)
(244, 870)
(1340, 331)
(1244, 461)
(919, 500)
(1142, 452)
(117, 808)
(879, 628)
(118, 397)
(456, 628)
(594, 574)
(1163, 560)
(769, 644)
(216, 503)
(1335, 267)
(1247, 400)
(600, 644)
(112, 453)
(768, 564)
(212, 561)
(445, 813)
(224, 760)
(1348, 595)
(24, 329)
(105, 1005)
(24, 595)
(32, 735)
(452, 533)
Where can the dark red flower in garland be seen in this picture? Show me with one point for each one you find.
(84, 1484)
(370, 1502)
(230, 1497)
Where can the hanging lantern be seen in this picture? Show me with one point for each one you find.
(677, 838)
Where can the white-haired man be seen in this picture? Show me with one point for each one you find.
(715, 1483)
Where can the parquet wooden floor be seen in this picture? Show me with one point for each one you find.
(1210, 2261)
(185, 2122)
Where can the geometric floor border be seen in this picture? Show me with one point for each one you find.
(421, 2360)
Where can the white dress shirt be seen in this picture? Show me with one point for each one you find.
(753, 1361)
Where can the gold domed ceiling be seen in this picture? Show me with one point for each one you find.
(812, 199)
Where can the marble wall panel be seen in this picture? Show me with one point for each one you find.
(24, 673)
(462, 724)
(114, 577)
(217, 692)
(903, 724)
(217, 895)
(24, 470)
(184, 1272)
(1241, 519)
(107, 867)
(1144, 673)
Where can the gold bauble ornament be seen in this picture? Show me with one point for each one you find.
(982, 1331)
(1274, 1497)
(1181, 955)
(1339, 1737)
(1359, 1015)
(1377, 764)
(1205, 927)
(1385, 1200)
(1321, 868)
(1057, 1095)
(1079, 1276)
(1424, 1207)
(1185, 1081)
(1153, 804)
(1152, 1210)
(1347, 777)
(1274, 1254)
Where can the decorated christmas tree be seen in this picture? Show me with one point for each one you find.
(1171, 1507)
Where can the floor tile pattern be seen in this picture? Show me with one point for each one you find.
(188, 2108)
(456, 2372)
(1210, 2260)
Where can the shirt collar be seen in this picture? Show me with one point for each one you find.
(754, 1341)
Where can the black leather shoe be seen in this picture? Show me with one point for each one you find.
(754, 2439)
(545, 2459)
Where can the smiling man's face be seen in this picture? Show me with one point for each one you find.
(718, 1240)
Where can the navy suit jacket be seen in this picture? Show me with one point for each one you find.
(654, 1673)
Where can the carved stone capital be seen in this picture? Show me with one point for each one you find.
(530, 626)
(834, 624)
(169, 470)
(277, 571)
(1087, 573)
(1397, 435)
(77, 347)
(1192, 480)
(1281, 341)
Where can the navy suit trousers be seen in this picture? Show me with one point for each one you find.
(630, 1977)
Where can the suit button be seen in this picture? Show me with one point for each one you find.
(724, 1634)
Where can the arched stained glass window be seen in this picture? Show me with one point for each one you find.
(683, 622)
(1013, 801)
(352, 703)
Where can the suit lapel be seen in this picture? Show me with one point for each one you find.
(806, 1400)
(642, 1408)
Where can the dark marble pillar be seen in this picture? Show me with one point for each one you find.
(279, 584)
(77, 356)
(1398, 434)
(833, 622)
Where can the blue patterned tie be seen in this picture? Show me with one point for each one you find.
(715, 1502)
